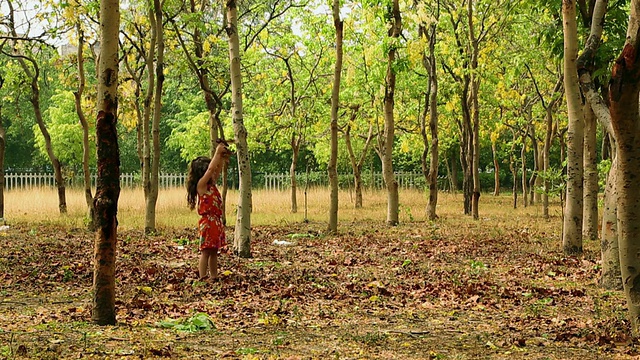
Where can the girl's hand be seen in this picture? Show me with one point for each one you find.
(223, 150)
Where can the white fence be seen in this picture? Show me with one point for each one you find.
(406, 180)
(282, 181)
(29, 180)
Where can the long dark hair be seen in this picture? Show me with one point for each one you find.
(197, 168)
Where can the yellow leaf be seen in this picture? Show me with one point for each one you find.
(145, 290)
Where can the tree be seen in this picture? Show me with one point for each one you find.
(151, 165)
(386, 141)
(242, 235)
(624, 90)
(3, 147)
(108, 160)
(357, 162)
(572, 226)
(335, 104)
(548, 106)
(85, 127)
(428, 31)
(31, 70)
(205, 65)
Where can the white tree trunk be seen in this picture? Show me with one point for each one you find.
(611, 271)
(572, 224)
(242, 235)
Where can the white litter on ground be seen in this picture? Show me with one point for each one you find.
(283, 242)
(4, 227)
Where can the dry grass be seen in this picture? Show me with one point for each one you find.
(40, 205)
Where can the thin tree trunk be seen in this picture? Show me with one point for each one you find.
(295, 147)
(152, 194)
(496, 170)
(572, 225)
(429, 62)
(356, 166)
(393, 202)
(523, 164)
(3, 147)
(611, 271)
(546, 162)
(475, 113)
(453, 176)
(537, 182)
(242, 235)
(85, 130)
(147, 147)
(108, 160)
(590, 196)
(536, 164)
(33, 78)
(335, 104)
(514, 171)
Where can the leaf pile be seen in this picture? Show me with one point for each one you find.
(450, 289)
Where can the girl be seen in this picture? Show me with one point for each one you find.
(201, 179)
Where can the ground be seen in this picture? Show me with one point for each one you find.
(421, 290)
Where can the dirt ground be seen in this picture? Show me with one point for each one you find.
(442, 290)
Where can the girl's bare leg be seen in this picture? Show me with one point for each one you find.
(213, 264)
(205, 259)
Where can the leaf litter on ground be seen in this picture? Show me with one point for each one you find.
(413, 291)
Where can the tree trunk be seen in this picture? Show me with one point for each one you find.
(33, 77)
(242, 235)
(537, 182)
(356, 166)
(147, 147)
(3, 147)
(85, 130)
(108, 160)
(514, 172)
(624, 88)
(572, 225)
(335, 104)
(496, 170)
(295, 149)
(606, 147)
(611, 271)
(523, 164)
(453, 176)
(393, 205)
(590, 196)
(536, 165)
(475, 113)
(429, 62)
(152, 185)
(546, 162)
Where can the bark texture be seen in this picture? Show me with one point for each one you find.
(335, 104)
(572, 222)
(108, 160)
(623, 95)
(242, 234)
(391, 183)
(610, 278)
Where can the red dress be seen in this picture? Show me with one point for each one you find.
(210, 227)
